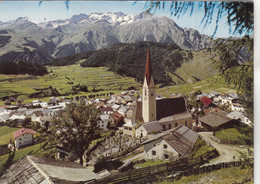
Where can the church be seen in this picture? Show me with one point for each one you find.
(168, 112)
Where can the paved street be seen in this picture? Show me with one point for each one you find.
(227, 152)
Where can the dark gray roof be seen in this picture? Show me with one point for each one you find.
(23, 172)
(214, 120)
(181, 138)
(165, 108)
(152, 127)
(179, 116)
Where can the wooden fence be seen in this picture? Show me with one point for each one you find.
(192, 171)
(167, 172)
(142, 173)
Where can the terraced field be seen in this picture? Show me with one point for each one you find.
(63, 79)
(214, 83)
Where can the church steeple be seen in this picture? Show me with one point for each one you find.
(149, 92)
(148, 68)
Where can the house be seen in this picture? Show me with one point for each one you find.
(170, 145)
(4, 118)
(128, 98)
(23, 137)
(36, 116)
(237, 107)
(115, 107)
(105, 121)
(106, 110)
(239, 116)
(214, 94)
(226, 100)
(17, 118)
(118, 118)
(129, 128)
(7, 102)
(99, 104)
(36, 103)
(213, 109)
(207, 102)
(169, 112)
(122, 110)
(148, 128)
(31, 169)
(216, 121)
(45, 120)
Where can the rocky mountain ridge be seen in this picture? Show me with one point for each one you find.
(23, 39)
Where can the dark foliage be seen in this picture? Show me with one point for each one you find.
(129, 59)
(80, 87)
(69, 60)
(45, 92)
(10, 67)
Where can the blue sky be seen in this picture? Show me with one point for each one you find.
(52, 10)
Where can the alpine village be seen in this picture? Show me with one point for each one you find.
(116, 98)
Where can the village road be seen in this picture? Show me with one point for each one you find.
(227, 152)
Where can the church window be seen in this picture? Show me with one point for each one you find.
(186, 123)
(176, 124)
(170, 126)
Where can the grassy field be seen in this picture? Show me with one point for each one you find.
(32, 150)
(6, 133)
(198, 68)
(151, 163)
(214, 83)
(231, 134)
(63, 78)
(223, 176)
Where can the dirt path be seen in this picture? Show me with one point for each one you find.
(227, 152)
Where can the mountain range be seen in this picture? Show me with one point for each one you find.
(23, 39)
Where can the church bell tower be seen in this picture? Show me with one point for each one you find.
(149, 93)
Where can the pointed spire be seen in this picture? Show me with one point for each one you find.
(148, 68)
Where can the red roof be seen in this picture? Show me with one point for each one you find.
(205, 100)
(23, 131)
(148, 68)
(116, 115)
(103, 109)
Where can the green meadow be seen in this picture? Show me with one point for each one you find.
(6, 133)
(214, 83)
(63, 78)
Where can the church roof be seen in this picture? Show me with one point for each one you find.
(170, 106)
(148, 67)
(166, 108)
